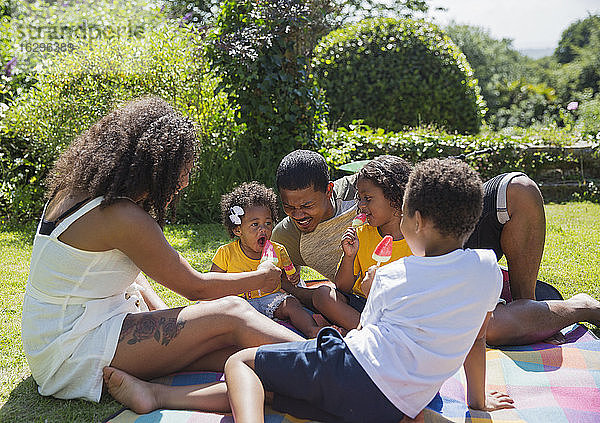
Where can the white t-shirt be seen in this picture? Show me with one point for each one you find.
(420, 321)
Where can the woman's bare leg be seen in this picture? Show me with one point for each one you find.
(165, 341)
(144, 397)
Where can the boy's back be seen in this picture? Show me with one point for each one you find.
(420, 321)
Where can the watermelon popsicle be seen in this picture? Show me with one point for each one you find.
(359, 220)
(383, 251)
(268, 254)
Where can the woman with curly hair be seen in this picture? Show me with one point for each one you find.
(108, 195)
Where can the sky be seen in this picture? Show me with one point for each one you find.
(531, 24)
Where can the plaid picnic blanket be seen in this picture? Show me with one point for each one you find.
(549, 384)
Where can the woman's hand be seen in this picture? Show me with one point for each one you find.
(272, 276)
(350, 243)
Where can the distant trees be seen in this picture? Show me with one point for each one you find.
(577, 37)
(520, 91)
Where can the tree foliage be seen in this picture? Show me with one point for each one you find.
(576, 37)
(257, 50)
(397, 73)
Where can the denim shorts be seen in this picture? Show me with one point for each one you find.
(269, 303)
(320, 379)
(355, 301)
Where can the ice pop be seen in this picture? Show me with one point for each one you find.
(268, 254)
(383, 251)
(359, 220)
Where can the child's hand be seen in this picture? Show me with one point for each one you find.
(495, 400)
(350, 242)
(294, 278)
(368, 279)
(272, 275)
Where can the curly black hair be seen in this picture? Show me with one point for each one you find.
(390, 173)
(247, 195)
(137, 151)
(303, 169)
(448, 192)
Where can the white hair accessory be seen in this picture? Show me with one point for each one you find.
(236, 212)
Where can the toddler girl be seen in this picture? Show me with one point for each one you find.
(249, 213)
(380, 186)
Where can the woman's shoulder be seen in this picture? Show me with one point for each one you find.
(124, 208)
(123, 217)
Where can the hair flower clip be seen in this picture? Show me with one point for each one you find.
(236, 212)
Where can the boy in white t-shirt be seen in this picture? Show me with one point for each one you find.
(425, 316)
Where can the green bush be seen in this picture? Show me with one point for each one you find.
(397, 73)
(576, 37)
(79, 88)
(13, 79)
(520, 103)
(490, 153)
(589, 117)
(255, 49)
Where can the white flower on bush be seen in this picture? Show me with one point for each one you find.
(572, 106)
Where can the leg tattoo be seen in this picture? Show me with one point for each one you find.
(162, 329)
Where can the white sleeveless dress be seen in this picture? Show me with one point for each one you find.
(73, 309)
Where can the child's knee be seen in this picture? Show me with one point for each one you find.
(322, 296)
(245, 356)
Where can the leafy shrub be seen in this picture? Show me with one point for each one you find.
(520, 103)
(397, 73)
(255, 50)
(79, 88)
(589, 117)
(576, 37)
(490, 153)
(13, 80)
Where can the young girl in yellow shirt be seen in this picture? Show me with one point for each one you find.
(249, 213)
(380, 187)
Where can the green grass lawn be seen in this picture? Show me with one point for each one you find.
(571, 263)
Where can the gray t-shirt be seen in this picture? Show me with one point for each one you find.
(321, 248)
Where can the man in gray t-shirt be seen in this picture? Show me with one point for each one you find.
(318, 212)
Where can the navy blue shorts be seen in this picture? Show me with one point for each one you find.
(355, 301)
(320, 379)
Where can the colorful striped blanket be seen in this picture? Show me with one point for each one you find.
(549, 384)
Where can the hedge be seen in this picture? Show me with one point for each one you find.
(536, 153)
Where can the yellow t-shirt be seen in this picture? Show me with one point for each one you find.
(368, 238)
(232, 259)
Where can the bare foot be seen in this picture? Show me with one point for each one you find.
(588, 303)
(312, 333)
(320, 320)
(556, 339)
(130, 391)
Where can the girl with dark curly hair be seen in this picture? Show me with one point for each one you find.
(380, 187)
(108, 196)
(249, 213)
